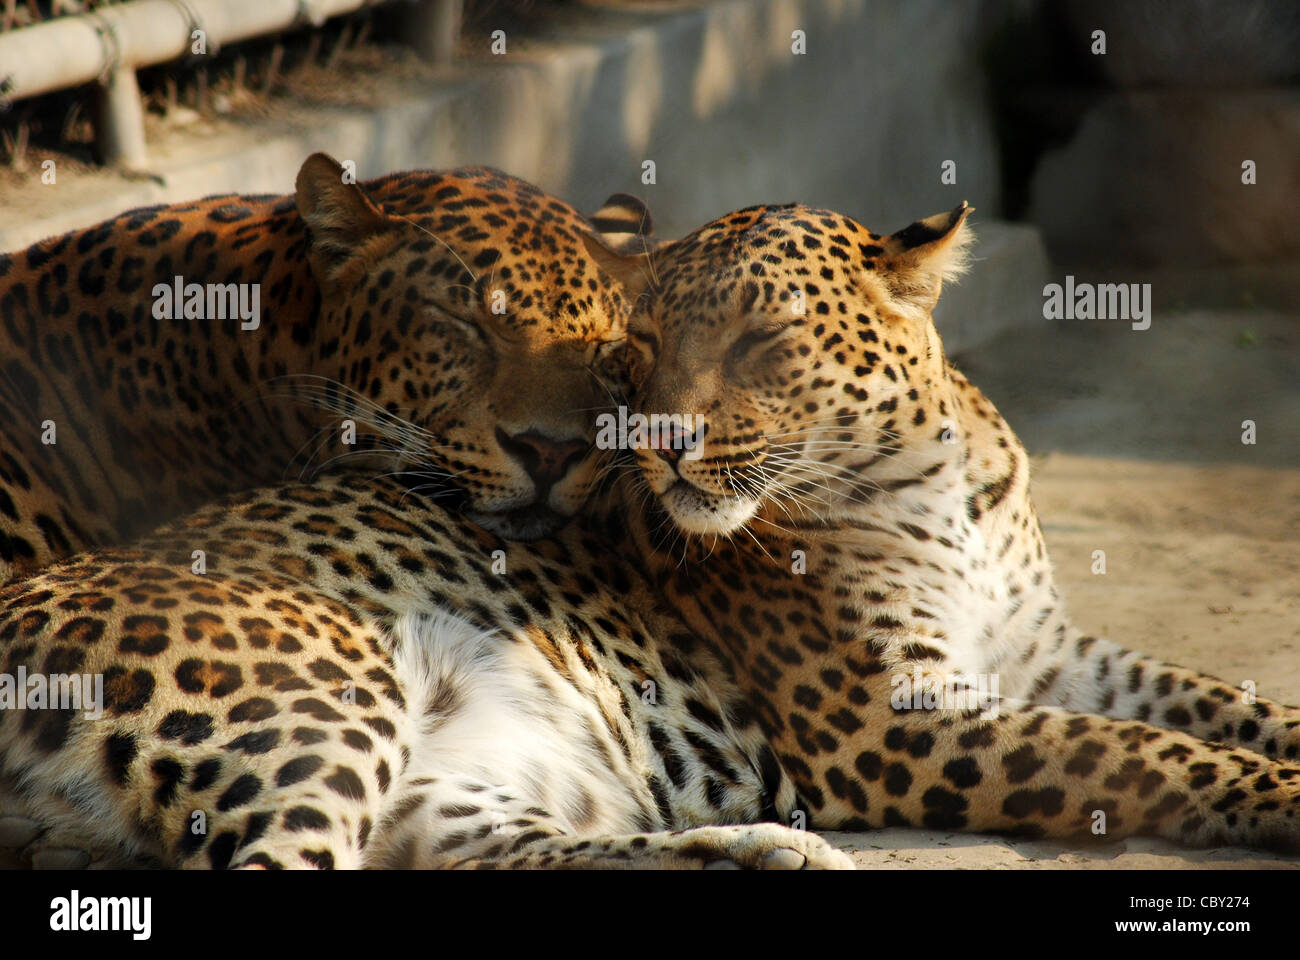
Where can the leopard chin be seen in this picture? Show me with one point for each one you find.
(532, 522)
(697, 511)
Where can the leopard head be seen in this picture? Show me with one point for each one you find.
(469, 334)
(797, 350)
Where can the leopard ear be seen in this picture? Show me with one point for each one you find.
(622, 221)
(344, 223)
(632, 269)
(916, 260)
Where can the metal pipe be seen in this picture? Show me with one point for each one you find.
(69, 51)
(120, 125)
(434, 28)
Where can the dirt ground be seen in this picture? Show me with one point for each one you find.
(1135, 440)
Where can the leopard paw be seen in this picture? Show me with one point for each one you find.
(764, 846)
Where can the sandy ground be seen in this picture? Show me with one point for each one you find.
(1135, 439)
(1136, 446)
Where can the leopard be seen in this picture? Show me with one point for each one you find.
(451, 321)
(847, 526)
(363, 678)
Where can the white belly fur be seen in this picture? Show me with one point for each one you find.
(494, 723)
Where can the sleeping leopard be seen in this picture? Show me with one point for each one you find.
(854, 540)
(411, 311)
(354, 682)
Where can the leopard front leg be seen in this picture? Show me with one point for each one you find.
(1094, 675)
(453, 821)
(759, 846)
(1026, 769)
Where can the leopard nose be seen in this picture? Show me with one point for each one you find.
(677, 441)
(546, 460)
(672, 450)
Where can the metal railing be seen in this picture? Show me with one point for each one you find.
(108, 43)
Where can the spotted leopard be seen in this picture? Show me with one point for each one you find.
(854, 523)
(452, 318)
